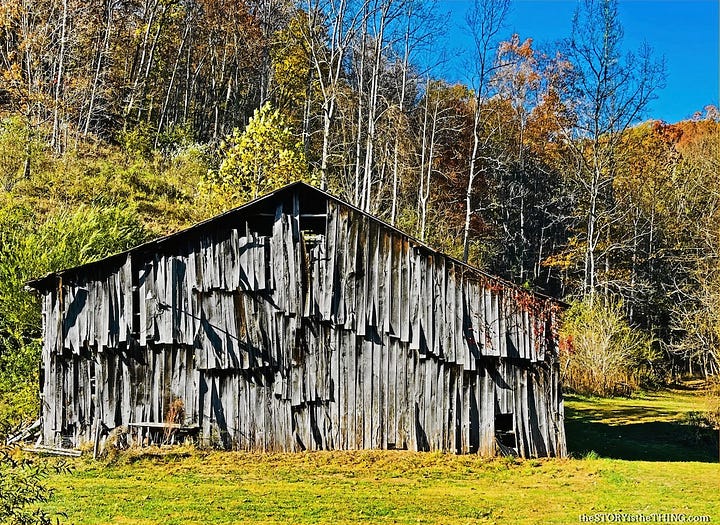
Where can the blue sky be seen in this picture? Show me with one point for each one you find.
(685, 32)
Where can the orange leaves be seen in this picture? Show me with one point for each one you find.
(513, 46)
(517, 68)
(692, 131)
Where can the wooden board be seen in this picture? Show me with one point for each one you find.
(350, 336)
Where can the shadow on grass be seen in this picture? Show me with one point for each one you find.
(639, 438)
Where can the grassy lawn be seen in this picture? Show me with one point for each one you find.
(644, 460)
(648, 427)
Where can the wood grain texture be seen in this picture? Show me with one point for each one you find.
(275, 336)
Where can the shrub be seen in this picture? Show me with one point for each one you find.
(22, 488)
(603, 355)
(138, 140)
(22, 151)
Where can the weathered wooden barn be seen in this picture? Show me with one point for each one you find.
(300, 322)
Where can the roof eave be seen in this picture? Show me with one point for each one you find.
(43, 283)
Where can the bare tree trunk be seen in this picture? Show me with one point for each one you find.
(144, 50)
(307, 114)
(401, 110)
(150, 61)
(633, 263)
(419, 31)
(328, 59)
(359, 188)
(176, 66)
(328, 115)
(485, 19)
(56, 142)
(426, 168)
(471, 182)
(188, 85)
(102, 51)
(373, 101)
(616, 91)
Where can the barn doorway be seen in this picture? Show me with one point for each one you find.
(505, 432)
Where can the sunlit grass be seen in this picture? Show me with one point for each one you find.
(190, 486)
(653, 426)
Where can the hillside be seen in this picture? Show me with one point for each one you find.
(123, 121)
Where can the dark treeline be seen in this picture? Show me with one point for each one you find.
(542, 166)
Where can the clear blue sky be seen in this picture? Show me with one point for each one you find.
(685, 32)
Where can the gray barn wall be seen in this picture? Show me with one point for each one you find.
(333, 332)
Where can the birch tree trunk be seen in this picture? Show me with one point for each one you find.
(485, 20)
(99, 63)
(56, 142)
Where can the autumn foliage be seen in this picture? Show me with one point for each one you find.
(152, 115)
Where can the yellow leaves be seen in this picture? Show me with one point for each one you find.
(569, 257)
(12, 73)
(561, 261)
(265, 156)
(291, 61)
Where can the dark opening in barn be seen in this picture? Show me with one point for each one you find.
(299, 322)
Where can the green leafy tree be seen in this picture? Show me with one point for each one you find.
(29, 250)
(291, 65)
(22, 151)
(262, 158)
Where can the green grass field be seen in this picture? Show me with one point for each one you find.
(644, 459)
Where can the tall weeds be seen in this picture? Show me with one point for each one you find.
(601, 353)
